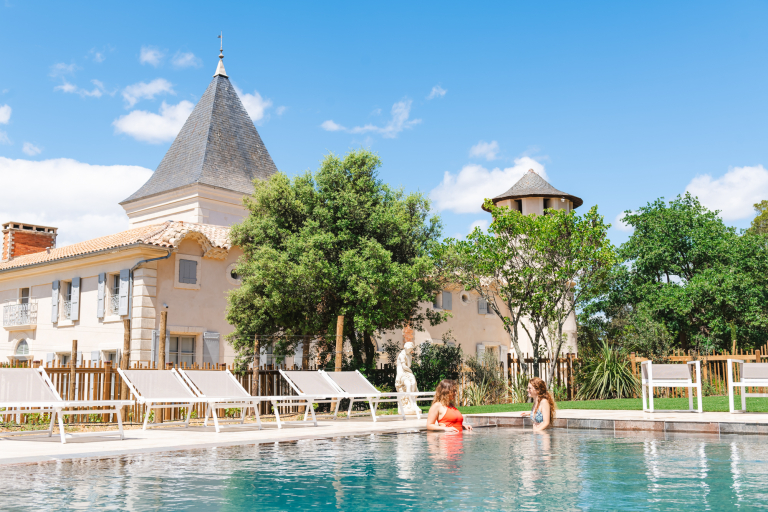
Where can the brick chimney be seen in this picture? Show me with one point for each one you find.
(20, 239)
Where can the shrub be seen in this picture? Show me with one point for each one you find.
(488, 375)
(606, 375)
(518, 389)
(433, 363)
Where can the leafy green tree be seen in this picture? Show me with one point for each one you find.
(688, 271)
(760, 222)
(537, 267)
(337, 242)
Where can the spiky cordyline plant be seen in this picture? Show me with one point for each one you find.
(607, 375)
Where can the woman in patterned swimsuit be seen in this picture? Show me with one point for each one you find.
(543, 411)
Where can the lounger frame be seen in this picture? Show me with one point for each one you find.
(170, 402)
(649, 382)
(743, 384)
(375, 397)
(333, 399)
(57, 410)
(224, 402)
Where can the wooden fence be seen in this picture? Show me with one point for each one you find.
(714, 370)
(563, 371)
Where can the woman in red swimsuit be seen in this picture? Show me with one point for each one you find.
(443, 414)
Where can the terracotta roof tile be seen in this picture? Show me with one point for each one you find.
(215, 241)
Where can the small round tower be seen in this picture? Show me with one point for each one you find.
(533, 194)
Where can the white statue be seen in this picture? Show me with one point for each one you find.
(405, 381)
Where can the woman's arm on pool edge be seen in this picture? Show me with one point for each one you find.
(434, 412)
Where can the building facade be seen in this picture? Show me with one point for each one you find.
(176, 257)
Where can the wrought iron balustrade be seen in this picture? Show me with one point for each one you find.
(67, 305)
(20, 314)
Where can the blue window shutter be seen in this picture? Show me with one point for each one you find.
(79, 358)
(211, 347)
(155, 346)
(167, 345)
(95, 356)
(480, 352)
(482, 306)
(435, 303)
(124, 278)
(55, 302)
(100, 295)
(116, 362)
(187, 271)
(447, 301)
(74, 312)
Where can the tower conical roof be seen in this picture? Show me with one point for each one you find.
(533, 185)
(218, 146)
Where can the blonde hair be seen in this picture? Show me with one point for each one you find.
(543, 394)
(445, 393)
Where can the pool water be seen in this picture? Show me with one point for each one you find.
(489, 469)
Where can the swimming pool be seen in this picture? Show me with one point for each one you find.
(490, 469)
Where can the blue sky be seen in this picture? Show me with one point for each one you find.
(616, 102)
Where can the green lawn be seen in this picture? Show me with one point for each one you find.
(711, 404)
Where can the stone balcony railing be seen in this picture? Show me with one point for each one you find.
(20, 315)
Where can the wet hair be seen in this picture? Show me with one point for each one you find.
(445, 393)
(543, 394)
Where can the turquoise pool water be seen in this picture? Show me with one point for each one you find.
(490, 469)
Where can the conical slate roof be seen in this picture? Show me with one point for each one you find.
(217, 146)
(533, 185)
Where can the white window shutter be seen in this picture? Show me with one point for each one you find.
(79, 357)
(55, 302)
(74, 313)
(503, 352)
(100, 295)
(482, 306)
(447, 301)
(116, 362)
(124, 281)
(480, 352)
(49, 357)
(95, 356)
(298, 356)
(211, 347)
(264, 356)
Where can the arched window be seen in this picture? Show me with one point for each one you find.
(22, 349)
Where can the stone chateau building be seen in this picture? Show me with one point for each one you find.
(176, 256)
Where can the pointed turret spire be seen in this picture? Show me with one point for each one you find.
(220, 68)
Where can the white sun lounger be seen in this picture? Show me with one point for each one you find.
(154, 387)
(359, 389)
(30, 390)
(314, 384)
(751, 375)
(671, 376)
(222, 391)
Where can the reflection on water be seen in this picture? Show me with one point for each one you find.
(499, 469)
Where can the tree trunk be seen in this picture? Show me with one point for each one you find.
(683, 341)
(370, 351)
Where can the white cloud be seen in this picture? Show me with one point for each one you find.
(281, 110)
(400, 113)
(482, 224)
(330, 126)
(5, 114)
(142, 90)
(4, 138)
(62, 69)
(436, 92)
(734, 193)
(185, 60)
(98, 56)
(254, 104)
(30, 149)
(465, 192)
(618, 223)
(96, 92)
(61, 185)
(154, 128)
(487, 150)
(151, 55)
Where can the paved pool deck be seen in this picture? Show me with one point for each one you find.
(622, 421)
(36, 448)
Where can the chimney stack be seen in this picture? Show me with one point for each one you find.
(20, 239)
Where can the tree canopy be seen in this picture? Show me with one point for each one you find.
(692, 276)
(534, 267)
(336, 242)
